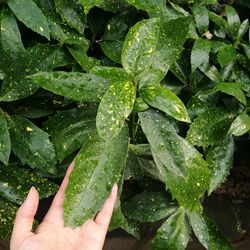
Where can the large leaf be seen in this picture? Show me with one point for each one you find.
(28, 12)
(113, 50)
(97, 167)
(208, 234)
(173, 234)
(220, 160)
(70, 129)
(182, 166)
(210, 127)
(31, 144)
(165, 100)
(5, 145)
(11, 41)
(149, 207)
(74, 85)
(15, 183)
(240, 125)
(116, 105)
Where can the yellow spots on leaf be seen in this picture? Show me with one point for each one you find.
(29, 129)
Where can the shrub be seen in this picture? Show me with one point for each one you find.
(149, 94)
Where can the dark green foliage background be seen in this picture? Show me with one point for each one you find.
(153, 95)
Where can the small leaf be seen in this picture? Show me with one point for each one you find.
(149, 207)
(30, 15)
(210, 127)
(74, 85)
(208, 234)
(165, 100)
(232, 19)
(226, 55)
(31, 144)
(5, 144)
(70, 129)
(115, 106)
(89, 4)
(97, 167)
(234, 89)
(173, 234)
(220, 160)
(15, 183)
(243, 29)
(240, 125)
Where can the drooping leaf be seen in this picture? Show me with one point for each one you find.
(11, 41)
(5, 144)
(115, 106)
(209, 127)
(31, 16)
(234, 89)
(173, 234)
(15, 183)
(74, 85)
(185, 172)
(220, 160)
(70, 129)
(31, 144)
(149, 207)
(208, 234)
(240, 125)
(97, 167)
(165, 100)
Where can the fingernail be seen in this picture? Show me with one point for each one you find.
(114, 189)
(31, 189)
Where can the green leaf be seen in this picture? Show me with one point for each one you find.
(38, 58)
(71, 12)
(31, 16)
(233, 20)
(210, 127)
(165, 100)
(200, 53)
(89, 4)
(140, 105)
(114, 5)
(182, 166)
(31, 144)
(234, 89)
(201, 17)
(7, 218)
(243, 29)
(173, 234)
(240, 125)
(70, 129)
(97, 167)
(5, 144)
(74, 85)
(11, 41)
(149, 207)
(220, 160)
(218, 20)
(226, 55)
(112, 49)
(208, 234)
(15, 183)
(115, 106)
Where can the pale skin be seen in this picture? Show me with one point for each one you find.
(51, 233)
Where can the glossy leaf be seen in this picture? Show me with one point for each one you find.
(114, 5)
(232, 19)
(115, 106)
(185, 172)
(149, 207)
(89, 4)
(201, 18)
(173, 234)
(208, 234)
(226, 55)
(234, 89)
(113, 50)
(74, 85)
(200, 53)
(15, 183)
(5, 144)
(220, 161)
(165, 100)
(31, 16)
(70, 129)
(243, 29)
(31, 144)
(97, 167)
(240, 125)
(210, 127)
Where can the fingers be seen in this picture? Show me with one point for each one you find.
(104, 216)
(55, 213)
(24, 218)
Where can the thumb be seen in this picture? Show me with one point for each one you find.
(24, 218)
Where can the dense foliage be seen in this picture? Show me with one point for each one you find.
(150, 94)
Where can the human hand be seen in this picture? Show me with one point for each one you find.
(51, 233)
